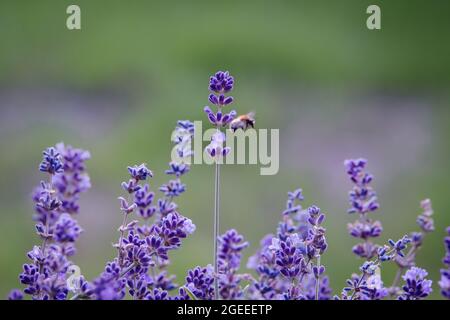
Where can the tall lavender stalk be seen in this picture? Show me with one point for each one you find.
(56, 201)
(219, 84)
(363, 200)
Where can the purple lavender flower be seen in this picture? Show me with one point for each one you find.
(158, 294)
(15, 294)
(173, 188)
(374, 288)
(143, 198)
(263, 262)
(216, 148)
(178, 169)
(51, 161)
(230, 246)
(363, 200)
(219, 119)
(289, 257)
(425, 221)
(365, 230)
(405, 261)
(173, 228)
(74, 180)
(444, 282)
(308, 288)
(140, 172)
(417, 286)
(66, 229)
(45, 276)
(221, 82)
(285, 263)
(292, 205)
(200, 281)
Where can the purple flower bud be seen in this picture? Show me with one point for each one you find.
(51, 162)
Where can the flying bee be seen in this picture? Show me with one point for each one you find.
(243, 122)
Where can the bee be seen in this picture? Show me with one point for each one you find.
(243, 122)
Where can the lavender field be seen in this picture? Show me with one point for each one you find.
(118, 88)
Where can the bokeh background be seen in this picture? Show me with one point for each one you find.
(310, 68)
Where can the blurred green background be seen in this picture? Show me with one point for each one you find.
(310, 68)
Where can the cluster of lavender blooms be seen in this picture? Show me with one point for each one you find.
(56, 202)
(363, 200)
(220, 84)
(369, 285)
(140, 268)
(286, 266)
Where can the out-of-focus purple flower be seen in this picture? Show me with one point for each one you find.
(185, 125)
(126, 207)
(166, 206)
(268, 284)
(229, 258)
(107, 287)
(365, 230)
(178, 169)
(51, 161)
(173, 188)
(444, 282)
(417, 286)
(308, 288)
(15, 294)
(425, 221)
(182, 138)
(293, 203)
(230, 246)
(158, 294)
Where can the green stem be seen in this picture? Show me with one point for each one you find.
(216, 229)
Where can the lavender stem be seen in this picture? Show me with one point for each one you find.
(318, 277)
(216, 229)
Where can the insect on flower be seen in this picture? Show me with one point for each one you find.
(243, 122)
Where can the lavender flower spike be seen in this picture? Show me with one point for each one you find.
(55, 203)
(219, 84)
(363, 200)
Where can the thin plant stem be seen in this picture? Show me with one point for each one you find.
(122, 234)
(216, 229)
(318, 277)
(401, 268)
